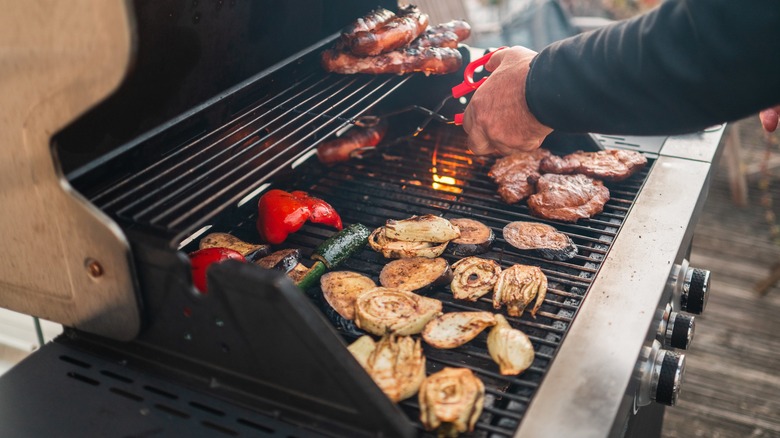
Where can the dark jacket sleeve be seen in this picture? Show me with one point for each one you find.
(686, 65)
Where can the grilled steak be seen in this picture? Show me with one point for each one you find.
(568, 197)
(516, 174)
(612, 165)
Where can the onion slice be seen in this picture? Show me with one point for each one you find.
(517, 287)
(426, 228)
(473, 277)
(510, 348)
(384, 310)
(398, 249)
(451, 400)
(396, 364)
(456, 328)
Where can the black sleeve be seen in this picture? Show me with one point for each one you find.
(686, 65)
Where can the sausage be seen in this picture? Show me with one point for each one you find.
(460, 28)
(435, 39)
(340, 149)
(429, 60)
(367, 23)
(397, 32)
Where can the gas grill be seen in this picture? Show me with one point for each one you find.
(258, 357)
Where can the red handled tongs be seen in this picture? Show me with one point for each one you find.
(468, 85)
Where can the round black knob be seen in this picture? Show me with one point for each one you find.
(679, 331)
(669, 370)
(695, 290)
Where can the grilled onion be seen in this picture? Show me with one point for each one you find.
(510, 348)
(451, 401)
(473, 277)
(455, 329)
(517, 287)
(397, 365)
(426, 228)
(398, 249)
(362, 348)
(415, 273)
(341, 289)
(384, 310)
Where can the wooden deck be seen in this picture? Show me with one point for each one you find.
(731, 387)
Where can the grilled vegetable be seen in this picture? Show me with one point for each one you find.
(362, 348)
(396, 364)
(250, 251)
(203, 258)
(545, 239)
(415, 273)
(341, 289)
(333, 251)
(475, 238)
(455, 329)
(383, 310)
(510, 348)
(426, 228)
(398, 249)
(281, 213)
(473, 277)
(284, 260)
(451, 401)
(517, 287)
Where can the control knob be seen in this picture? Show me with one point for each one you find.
(660, 373)
(695, 290)
(679, 331)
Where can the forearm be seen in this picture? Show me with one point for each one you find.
(687, 65)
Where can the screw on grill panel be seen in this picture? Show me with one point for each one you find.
(94, 268)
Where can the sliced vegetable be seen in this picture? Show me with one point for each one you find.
(415, 273)
(250, 251)
(281, 213)
(451, 401)
(284, 260)
(473, 277)
(341, 289)
(426, 228)
(517, 287)
(298, 272)
(383, 310)
(397, 249)
(202, 259)
(475, 238)
(334, 251)
(510, 348)
(362, 348)
(397, 365)
(455, 329)
(543, 238)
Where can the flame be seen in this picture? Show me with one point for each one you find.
(441, 182)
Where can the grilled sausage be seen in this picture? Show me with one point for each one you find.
(429, 60)
(340, 149)
(369, 22)
(395, 33)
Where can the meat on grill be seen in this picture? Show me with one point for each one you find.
(612, 165)
(516, 174)
(443, 35)
(429, 60)
(568, 198)
(369, 22)
(395, 33)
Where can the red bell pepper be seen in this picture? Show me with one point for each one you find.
(281, 213)
(203, 258)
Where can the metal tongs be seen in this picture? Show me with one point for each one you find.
(467, 86)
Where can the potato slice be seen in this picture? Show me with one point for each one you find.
(455, 329)
(341, 289)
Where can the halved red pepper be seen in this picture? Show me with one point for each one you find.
(280, 213)
(203, 258)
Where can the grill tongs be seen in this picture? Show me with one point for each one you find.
(557, 142)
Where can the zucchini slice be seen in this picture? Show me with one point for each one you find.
(545, 239)
(475, 238)
(415, 273)
(341, 289)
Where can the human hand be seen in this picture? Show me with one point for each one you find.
(497, 118)
(769, 118)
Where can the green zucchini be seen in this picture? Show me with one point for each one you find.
(334, 251)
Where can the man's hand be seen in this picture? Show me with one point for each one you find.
(498, 119)
(769, 118)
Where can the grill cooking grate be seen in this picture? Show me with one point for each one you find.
(433, 174)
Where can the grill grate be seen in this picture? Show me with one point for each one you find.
(203, 176)
(433, 174)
